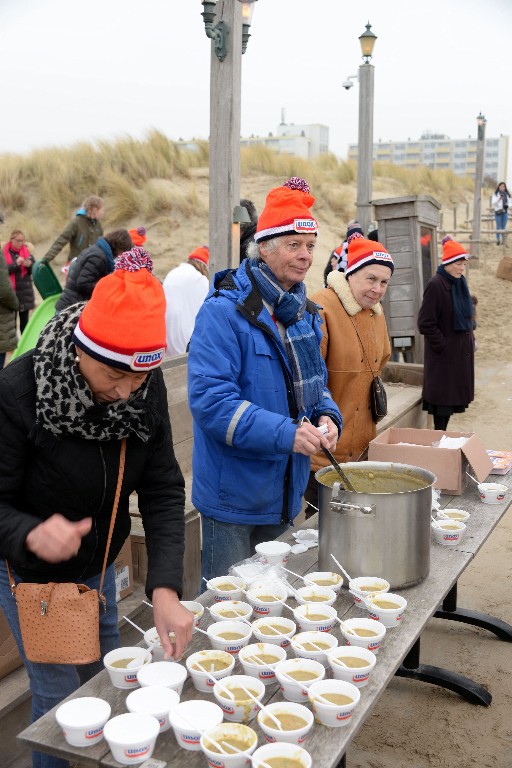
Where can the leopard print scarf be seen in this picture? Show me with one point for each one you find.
(64, 402)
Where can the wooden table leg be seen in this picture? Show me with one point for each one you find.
(450, 611)
(464, 686)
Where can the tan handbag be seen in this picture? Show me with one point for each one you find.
(59, 622)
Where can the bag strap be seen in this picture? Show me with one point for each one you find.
(122, 460)
(362, 347)
(120, 475)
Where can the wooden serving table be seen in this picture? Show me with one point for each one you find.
(399, 654)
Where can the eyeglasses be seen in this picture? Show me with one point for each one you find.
(18, 240)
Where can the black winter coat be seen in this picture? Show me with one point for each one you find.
(24, 286)
(449, 358)
(90, 266)
(43, 474)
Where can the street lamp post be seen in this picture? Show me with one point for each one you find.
(479, 177)
(227, 25)
(365, 130)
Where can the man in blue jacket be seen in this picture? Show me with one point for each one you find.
(255, 372)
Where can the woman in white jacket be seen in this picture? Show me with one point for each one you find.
(500, 201)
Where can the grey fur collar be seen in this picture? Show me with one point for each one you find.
(339, 284)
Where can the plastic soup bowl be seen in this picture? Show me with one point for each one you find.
(240, 736)
(281, 749)
(328, 579)
(242, 708)
(293, 735)
(315, 595)
(199, 666)
(453, 514)
(263, 602)
(153, 700)
(231, 610)
(170, 674)
(364, 633)
(226, 588)
(303, 645)
(365, 585)
(388, 609)
(315, 617)
(288, 671)
(359, 663)
(189, 720)
(492, 493)
(126, 676)
(131, 737)
(83, 719)
(276, 630)
(337, 714)
(273, 552)
(196, 608)
(229, 636)
(270, 656)
(448, 532)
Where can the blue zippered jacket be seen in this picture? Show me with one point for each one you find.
(240, 395)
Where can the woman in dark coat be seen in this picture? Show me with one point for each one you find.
(19, 262)
(8, 307)
(65, 407)
(91, 265)
(446, 321)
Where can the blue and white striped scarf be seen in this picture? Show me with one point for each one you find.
(300, 341)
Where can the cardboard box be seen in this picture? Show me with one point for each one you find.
(448, 465)
(139, 551)
(124, 571)
(9, 656)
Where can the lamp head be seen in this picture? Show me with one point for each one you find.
(367, 41)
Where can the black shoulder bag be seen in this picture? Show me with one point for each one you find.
(378, 397)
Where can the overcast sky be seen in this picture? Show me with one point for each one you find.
(105, 68)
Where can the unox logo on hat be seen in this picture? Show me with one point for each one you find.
(145, 361)
(305, 225)
(382, 256)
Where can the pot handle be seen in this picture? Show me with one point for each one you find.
(353, 509)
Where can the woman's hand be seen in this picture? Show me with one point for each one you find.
(57, 539)
(171, 616)
(331, 437)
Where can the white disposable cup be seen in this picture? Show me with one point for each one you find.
(333, 715)
(196, 608)
(239, 711)
(297, 690)
(219, 595)
(492, 493)
(169, 674)
(204, 681)
(315, 595)
(370, 583)
(83, 719)
(152, 640)
(220, 611)
(265, 673)
(124, 677)
(358, 676)
(390, 617)
(260, 630)
(281, 749)
(273, 552)
(448, 532)
(373, 642)
(263, 608)
(272, 732)
(332, 580)
(303, 638)
(453, 514)
(131, 737)
(189, 719)
(242, 733)
(306, 617)
(153, 700)
(233, 646)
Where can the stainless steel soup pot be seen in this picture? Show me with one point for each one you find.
(376, 534)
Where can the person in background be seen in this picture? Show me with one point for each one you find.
(91, 265)
(19, 262)
(82, 231)
(255, 371)
(340, 253)
(92, 380)
(247, 229)
(8, 306)
(138, 235)
(500, 201)
(446, 319)
(355, 346)
(185, 289)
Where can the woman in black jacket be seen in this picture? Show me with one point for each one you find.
(19, 262)
(92, 380)
(91, 265)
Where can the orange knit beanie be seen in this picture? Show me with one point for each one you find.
(452, 251)
(362, 253)
(138, 235)
(123, 323)
(286, 211)
(200, 254)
